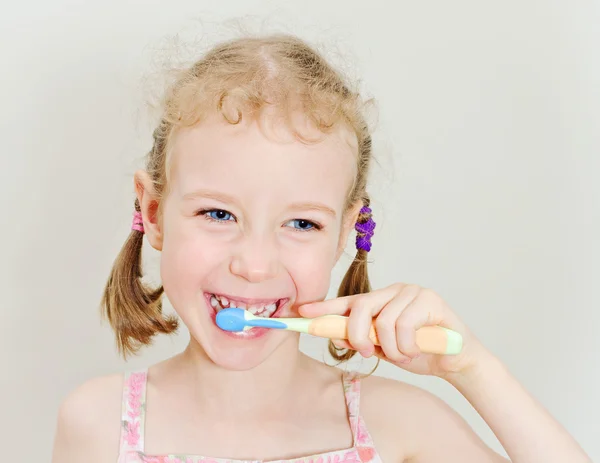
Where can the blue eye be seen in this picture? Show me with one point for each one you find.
(304, 225)
(218, 215)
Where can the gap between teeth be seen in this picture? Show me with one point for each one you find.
(264, 311)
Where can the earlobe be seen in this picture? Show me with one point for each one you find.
(148, 202)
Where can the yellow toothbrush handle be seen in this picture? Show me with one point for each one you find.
(429, 339)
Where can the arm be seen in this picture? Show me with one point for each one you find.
(525, 429)
(528, 433)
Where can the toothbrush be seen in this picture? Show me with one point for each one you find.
(429, 339)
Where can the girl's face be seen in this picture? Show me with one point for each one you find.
(255, 223)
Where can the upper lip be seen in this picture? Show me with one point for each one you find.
(247, 300)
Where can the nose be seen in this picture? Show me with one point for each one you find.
(256, 259)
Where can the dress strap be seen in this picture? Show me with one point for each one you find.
(133, 412)
(360, 434)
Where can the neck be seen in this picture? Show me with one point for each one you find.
(269, 388)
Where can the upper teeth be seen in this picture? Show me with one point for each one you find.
(261, 310)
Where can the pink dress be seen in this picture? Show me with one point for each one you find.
(132, 430)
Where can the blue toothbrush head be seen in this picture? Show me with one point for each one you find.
(232, 319)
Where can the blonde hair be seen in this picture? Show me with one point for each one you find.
(237, 79)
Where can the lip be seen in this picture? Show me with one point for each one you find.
(252, 333)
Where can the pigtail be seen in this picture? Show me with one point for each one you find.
(356, 281)
(133, 309)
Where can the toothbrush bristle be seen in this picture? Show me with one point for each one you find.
(232, 319)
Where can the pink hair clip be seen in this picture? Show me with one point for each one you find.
(138, 223)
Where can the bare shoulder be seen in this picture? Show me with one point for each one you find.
(423, 427)
(88, 422)
(385, 397)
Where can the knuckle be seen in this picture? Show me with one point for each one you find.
(413, 290)
(403, 325)
(383, 323)
(359, 341)
(391, 351)
(362, 308)
(430, 294)
(405, 347)
(398, 286)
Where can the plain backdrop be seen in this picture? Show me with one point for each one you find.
(486, 189)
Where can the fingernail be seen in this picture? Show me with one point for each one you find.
(366, 353)
(406, 360)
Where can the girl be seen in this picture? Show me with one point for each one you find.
(256, 178)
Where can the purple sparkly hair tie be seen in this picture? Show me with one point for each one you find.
(365, 230)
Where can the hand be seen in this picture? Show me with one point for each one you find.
(399, 310)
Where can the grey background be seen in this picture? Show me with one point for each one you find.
(487, 189)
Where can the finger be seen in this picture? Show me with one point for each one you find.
(422, 311)
(386, 323)
(410, 365)
(337, 306)
(359, 325)
(342, 305)
(341, 344)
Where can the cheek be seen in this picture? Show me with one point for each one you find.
(310, 269)
(188, 263)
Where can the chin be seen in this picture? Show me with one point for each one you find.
(239, 359)
(248, 349)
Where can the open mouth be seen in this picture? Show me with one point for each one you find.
(264, 308)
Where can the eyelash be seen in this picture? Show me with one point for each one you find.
(205, 213)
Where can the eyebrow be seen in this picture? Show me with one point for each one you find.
(225, 198)
(313, 206)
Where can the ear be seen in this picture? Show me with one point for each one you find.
(347, 226)
(148, 201)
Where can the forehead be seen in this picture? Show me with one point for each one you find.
(266, 160)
